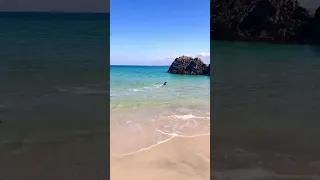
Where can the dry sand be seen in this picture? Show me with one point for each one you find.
(180, 158)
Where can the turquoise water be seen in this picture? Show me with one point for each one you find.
(142, 86)
(144, 113)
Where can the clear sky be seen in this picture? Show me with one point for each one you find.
(153, 32)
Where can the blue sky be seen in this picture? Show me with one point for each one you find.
(153, 32)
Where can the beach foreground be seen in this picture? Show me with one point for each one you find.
(159, 147)
(179, 158)
(159, 132)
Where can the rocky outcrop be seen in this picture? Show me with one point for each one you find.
(190, 66)
(279, 21)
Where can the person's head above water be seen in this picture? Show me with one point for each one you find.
(165, 83)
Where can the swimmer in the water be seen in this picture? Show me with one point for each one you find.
(165, 83)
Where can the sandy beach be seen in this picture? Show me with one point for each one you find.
(179, 158)
(163, 146)
(158, 132)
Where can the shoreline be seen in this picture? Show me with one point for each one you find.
(178, 158)
(152, 127)
(167, 148)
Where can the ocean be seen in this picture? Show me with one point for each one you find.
(53, 92)
(265, 116)
(141, 106)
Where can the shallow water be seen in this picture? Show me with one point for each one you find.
(144, 113)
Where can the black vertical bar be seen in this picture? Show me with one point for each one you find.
(54, 90)
(265, 90)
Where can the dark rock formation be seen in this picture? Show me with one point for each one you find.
(189, 65)
(279, 21)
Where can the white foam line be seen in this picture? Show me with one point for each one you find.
(183, 136)
(189, 116)
(144, 149)
(158, 143)
(173, 135)
(178, 135)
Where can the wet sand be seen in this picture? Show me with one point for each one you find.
(179, 158)
(150, 145)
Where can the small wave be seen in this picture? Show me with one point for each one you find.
(137, 90)
(147, 129)
(182, 124)
(162, 129)
(145, 89)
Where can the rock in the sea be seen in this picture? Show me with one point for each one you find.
(190, 66)
(280, 21)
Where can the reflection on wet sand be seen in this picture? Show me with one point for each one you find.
(166, 146)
